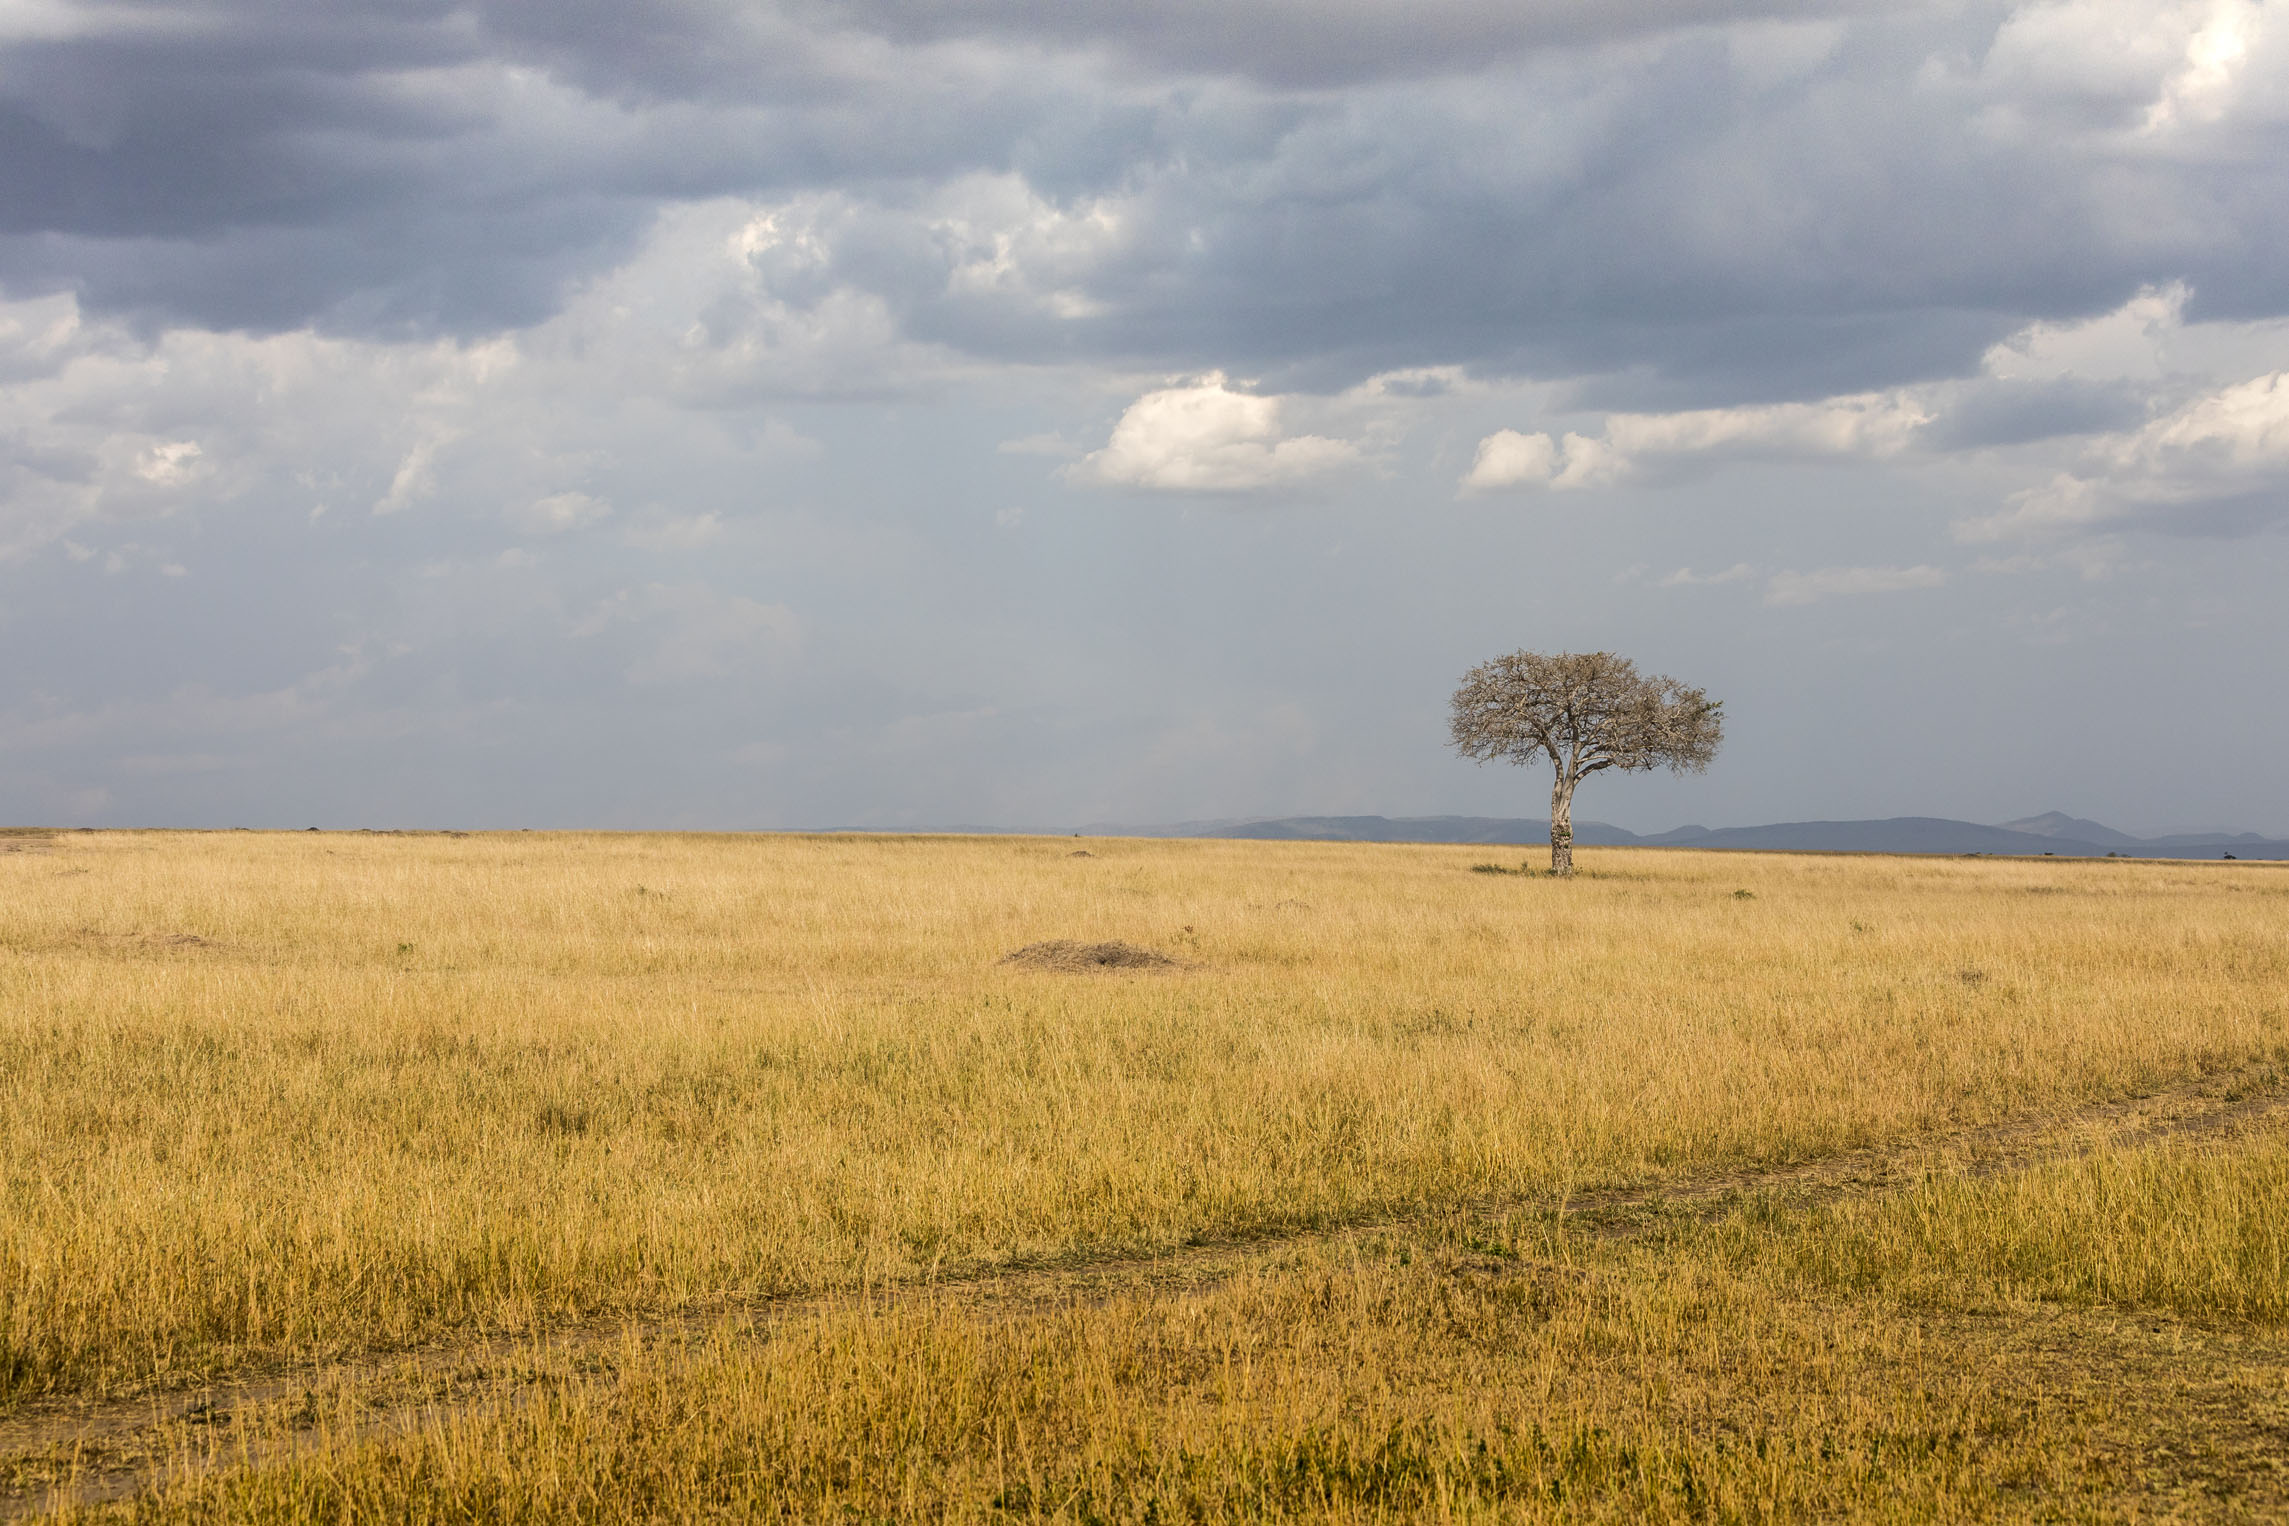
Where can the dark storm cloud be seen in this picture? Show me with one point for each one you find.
(1696, 211)
(1658, 215)
(1313, 43)
(379, 169)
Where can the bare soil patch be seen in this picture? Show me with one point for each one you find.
(1066, 956)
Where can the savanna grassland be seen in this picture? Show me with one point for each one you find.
(586, 1177)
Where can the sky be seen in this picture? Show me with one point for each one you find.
(803, 413)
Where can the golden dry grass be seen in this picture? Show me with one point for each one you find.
(1498, 1366)
(276, 1097)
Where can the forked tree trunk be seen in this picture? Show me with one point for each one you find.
(1562, 826)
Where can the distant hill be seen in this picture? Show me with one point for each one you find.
(2053, 833)
(2060, 824)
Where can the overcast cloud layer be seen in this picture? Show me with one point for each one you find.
(678, 413)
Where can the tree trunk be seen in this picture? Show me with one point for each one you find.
(1562, 826)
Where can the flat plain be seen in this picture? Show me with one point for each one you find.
(595, 1177)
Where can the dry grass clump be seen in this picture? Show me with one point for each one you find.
(1067, 956)
(272, 1096)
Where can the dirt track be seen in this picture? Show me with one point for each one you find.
(57, 1453)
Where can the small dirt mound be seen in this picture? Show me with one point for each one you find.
(1065, 954)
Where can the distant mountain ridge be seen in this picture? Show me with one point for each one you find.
(2053, 833)
(2077, 828)
(2059, 824)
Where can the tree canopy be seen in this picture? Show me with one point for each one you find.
(1585, 712)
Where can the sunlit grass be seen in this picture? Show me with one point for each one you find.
(1504, 1366)
(276, 1095)
(2197, 1231)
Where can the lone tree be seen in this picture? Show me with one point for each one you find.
(1584, 711)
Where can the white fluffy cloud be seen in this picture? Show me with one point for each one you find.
(2140, 65)
(2132, 416)
(2227, 447)
(1874, 425)
(102, 424)
(1508, 458)
(1204, 437)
